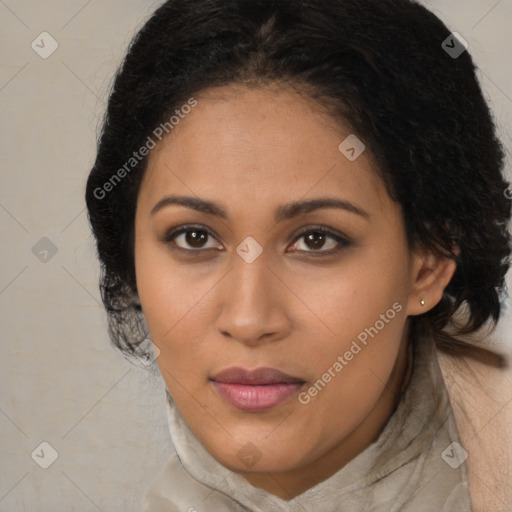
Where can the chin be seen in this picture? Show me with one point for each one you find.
(249, 458)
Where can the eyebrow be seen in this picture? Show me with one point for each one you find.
(282, 212)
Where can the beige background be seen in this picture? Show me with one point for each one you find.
(60, 380)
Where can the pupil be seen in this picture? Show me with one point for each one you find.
(316, 240)
(196, 238)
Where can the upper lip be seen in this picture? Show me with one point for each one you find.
(259, 376)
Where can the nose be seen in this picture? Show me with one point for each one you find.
(253, 304)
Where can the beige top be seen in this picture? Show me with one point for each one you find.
(482, 405)
(416, 465)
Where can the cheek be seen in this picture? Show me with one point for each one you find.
(168, 292)
(349, 370)
(358, 315)
(173, 299)
(337, 402)
(345, 299)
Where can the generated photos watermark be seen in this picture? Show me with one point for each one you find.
(355, 348)
(158, 133)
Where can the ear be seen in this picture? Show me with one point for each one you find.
(431, 273)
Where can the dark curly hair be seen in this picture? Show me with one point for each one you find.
(378, 66)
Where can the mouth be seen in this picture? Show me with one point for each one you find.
(256, 390)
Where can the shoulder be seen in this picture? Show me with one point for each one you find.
(481, 398)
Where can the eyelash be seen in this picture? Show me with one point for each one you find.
(342, 241)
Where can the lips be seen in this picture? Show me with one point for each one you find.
(256, 390)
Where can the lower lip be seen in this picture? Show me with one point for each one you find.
(257, 398)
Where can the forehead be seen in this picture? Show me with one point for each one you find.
(254, 145)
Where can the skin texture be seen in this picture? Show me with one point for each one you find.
(251, 150)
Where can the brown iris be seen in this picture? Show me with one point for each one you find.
(315, 240)
(196, 238)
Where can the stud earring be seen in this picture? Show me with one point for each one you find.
(422, 302)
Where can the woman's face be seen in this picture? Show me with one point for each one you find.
(251, 176)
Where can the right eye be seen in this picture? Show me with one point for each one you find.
(192, 238)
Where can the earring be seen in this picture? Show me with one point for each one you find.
(422, 302)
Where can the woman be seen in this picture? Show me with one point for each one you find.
(298, 201)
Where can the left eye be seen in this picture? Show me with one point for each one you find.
(317, 239)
